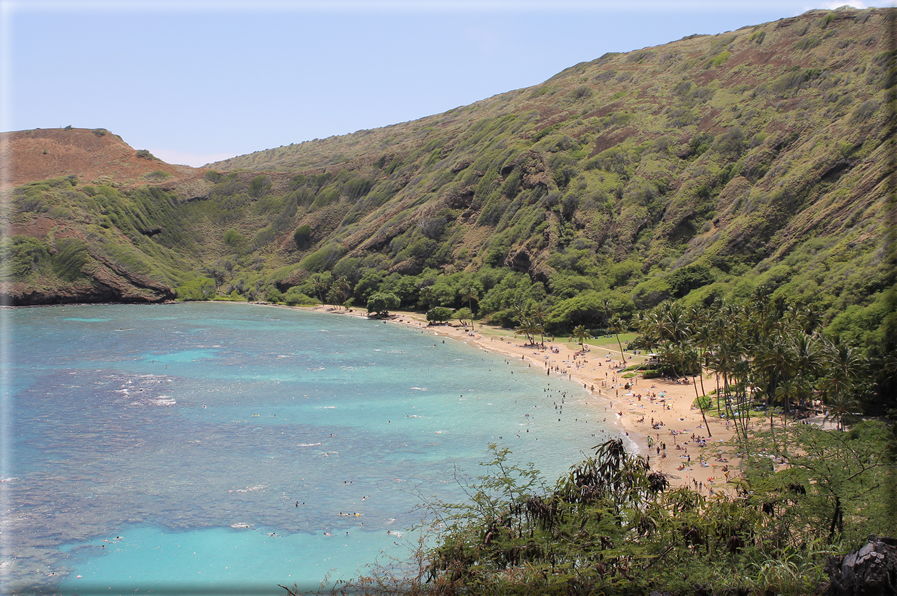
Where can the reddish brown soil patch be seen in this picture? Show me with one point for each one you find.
(95, 156)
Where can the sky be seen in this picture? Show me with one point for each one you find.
(195, 81)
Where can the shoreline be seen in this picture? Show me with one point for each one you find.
(684, 461)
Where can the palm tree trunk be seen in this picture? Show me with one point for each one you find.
(622, 355)
(470, 307)
(719, 413)
(701, 376)
(701, 404)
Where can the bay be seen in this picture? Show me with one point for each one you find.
(236, 447)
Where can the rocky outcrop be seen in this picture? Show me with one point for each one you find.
(127, 286)
(870, 571)
(105, 281)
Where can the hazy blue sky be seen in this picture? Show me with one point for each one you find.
(195, 81)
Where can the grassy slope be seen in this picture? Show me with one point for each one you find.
(765, 150)
(761, 155)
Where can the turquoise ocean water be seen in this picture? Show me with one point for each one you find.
(229, 448)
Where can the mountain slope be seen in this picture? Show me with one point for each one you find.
(705, 167)
(728, 150)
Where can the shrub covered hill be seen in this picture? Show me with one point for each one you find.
(710, 167)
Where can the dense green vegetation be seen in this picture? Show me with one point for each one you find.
(704, 172)
(729, 197)
(770, 353)
(611, 526)
(701, 171)
(696, 170)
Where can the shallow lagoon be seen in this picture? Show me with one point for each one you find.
(137, 436)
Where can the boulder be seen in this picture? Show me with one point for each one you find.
(870, 571)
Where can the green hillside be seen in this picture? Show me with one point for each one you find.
(705, 168)
(728, 198)
(700, 168)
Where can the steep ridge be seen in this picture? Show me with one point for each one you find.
(732, 147)
(706, 167)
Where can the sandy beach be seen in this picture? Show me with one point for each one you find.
(656, 414)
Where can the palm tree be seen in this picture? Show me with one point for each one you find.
(672, 323)
(701, 338)
(692, 361)
(341, 290)
(538, 314)
(333, 296)
(529, 329)
(807, 356)
(647, 326)
(786, 392)
(841, 407)
(722, 362)
(773, 365)
(528, 326)
(671, 354)
(617, 326)
(581, 334)
(468, 293)
(844, 368)
(320, 286)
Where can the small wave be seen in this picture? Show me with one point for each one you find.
(308, 444)
(239, 526)
(163, 400)
(419, 388)
(249, 489)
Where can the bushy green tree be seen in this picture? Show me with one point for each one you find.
(380, 303)
(612, 526)
(200, 288)
(259, 186)
(274, 295)
(463, 314)
(302, 236)
(25, 255)
(295, 297)
(235, 240)
(439, 314)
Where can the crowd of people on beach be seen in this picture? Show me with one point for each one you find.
(667, 403)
